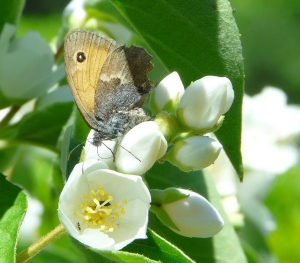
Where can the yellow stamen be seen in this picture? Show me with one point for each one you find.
(97, 211)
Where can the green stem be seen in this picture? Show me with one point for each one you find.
(13, 110)
(59, 52)
(42, 243)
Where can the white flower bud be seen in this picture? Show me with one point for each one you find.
(205, 101)
(167, 94)
(194, 216)
(74, 14)
(31, 59)
(141, 147)
(194, 153)
(104, 152)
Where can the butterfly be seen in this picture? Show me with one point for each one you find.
(109, 83)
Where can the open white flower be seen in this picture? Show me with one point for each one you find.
(167, 94)
(269, 148)
(141, 147)
(104, 209)
(194, 153)
(205, 101)
(194, 216)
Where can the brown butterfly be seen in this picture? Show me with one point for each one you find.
(108, 83)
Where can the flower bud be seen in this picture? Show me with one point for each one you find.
(168, 124)
(31, 59)
(190, 215)
(74, 14)
(194, 153)
(140, 148)
(167, 94)
(205, 101)
(104, 152)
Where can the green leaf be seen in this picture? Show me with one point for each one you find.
(56, 176)
(283, 201)
(41, 127)
(3, 101)
(157, 248)
(10, 12)
(110, 256)
(7, 155)
(167, 196)
(13, 206)
(65, 151)
(196, 39)
(251, 254)
(70, 153)
(126, 257)
(88, 254)
(222, 248)
(150, 250)
(81, 129)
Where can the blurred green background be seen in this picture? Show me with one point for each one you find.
(270, 35)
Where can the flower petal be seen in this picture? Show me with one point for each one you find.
(103, 152)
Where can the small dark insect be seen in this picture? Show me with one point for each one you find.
(78, 226)
(107, 204)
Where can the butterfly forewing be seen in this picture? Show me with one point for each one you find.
(85, 54)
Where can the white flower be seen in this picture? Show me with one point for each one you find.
(167, 94)
(194, 153)
(31, 60)
(205, 101)
(60, 94)
(269, 148)
(141, 147)
(32, 219)
(74, 14)
(269, 130)
(194, 216)
(104, 209)
(78, 14)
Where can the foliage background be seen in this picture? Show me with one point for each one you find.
(270, 38)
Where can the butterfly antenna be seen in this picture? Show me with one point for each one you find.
(113, 154)
(69, 155)
(129, 152)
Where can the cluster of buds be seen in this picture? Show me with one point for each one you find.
(103, 216)
(105, 203)
(186, 116)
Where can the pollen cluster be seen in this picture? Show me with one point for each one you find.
(97, 211)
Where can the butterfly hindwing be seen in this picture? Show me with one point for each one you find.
(123, 81)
